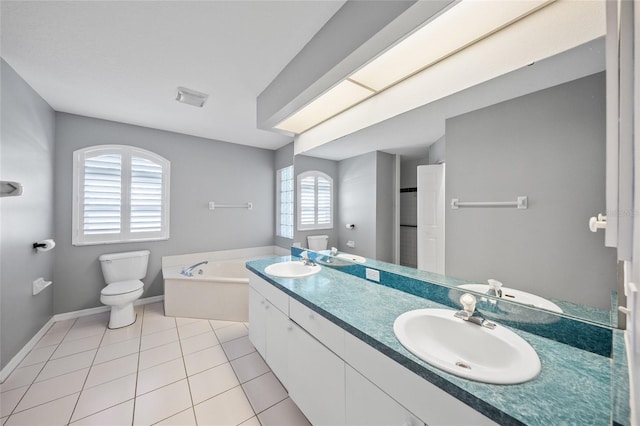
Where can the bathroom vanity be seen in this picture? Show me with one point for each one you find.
(329, 339)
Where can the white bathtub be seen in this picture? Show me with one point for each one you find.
(218, 290)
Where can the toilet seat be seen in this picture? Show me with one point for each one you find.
(122, 287)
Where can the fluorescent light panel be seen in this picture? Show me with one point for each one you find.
(458, 27)
(337, 99)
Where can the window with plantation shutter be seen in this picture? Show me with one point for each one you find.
(315, 201)
(121, 194)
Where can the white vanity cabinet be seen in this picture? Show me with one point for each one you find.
(316, 379)
(366, 404)
(337, 379)
(269, 329)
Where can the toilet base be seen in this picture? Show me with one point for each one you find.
(122, 316)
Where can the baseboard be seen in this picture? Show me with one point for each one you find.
(17, 359)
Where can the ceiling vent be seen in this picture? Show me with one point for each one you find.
(191, 97)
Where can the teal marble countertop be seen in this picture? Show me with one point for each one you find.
(573, 388)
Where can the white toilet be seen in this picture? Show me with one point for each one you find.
(122, 273)
(317, 242)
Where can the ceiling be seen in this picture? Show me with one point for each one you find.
(123, 60)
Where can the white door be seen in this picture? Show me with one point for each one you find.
(431, 218)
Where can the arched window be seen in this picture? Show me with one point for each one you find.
(120, 194)
(315, 201)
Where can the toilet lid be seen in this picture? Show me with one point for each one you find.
(122, 287)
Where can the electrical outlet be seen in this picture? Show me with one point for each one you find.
(351, 244)
(372, 274)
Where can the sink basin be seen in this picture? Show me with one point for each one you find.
(352, 257)
(497, 356)
(517, 296)
(292, 269)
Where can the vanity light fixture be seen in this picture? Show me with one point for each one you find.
(458, 27)
(191, 97)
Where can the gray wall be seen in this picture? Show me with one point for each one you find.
(27, 146)
(437, 151)
(302, 164)
(367, 189)
(549, 146)
(386, 196)
(283, 157)
(202, 170)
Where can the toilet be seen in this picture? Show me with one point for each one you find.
(122, 272)
(317, 242)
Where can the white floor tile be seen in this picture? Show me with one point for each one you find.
(67, 348)
(62, 326)
(120, 415)
(193, 329)
(160, 375)
(229, 408)
(79, 331)
(253, 421)
(104, 396)
(158, 339)
(199, 342)
(52, 413)
(159, 355)
(204, 359)
(60, 366)
(21, 377)
(184, 321)
(151, 309)
(117, 350)
(212, 382)
(184, 418)
(100, 317)
(285, 413)
(51, 338)
(264, 392)
(111, 370)
(37, 356)
(122, 334)
(216, 324)
(249, 367)
(51, 389)
(232, 332)
(9, 400)
(238, 348)
(162, 403)
(155, 323)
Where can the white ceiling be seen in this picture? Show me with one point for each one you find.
(123, 60)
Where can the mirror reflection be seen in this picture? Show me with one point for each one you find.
(539, 133)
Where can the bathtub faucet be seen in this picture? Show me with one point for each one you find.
(188, 271)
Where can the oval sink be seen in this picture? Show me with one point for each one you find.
(292, 269)
(467, 350)
(352, 257)
(517, 296)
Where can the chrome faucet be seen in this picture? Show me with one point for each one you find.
(188, 271)
(305, 259)
(469, 314)
(494, 288)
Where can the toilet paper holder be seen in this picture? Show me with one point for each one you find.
(44, 245)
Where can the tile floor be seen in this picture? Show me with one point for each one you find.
(160, 370)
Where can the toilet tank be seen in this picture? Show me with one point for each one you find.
(130, 265)
(317, 242)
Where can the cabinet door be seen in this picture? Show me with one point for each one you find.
(277, 335)
(316, 379)
(257, 321)
(368, 405)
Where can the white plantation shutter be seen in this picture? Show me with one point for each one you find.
(121, 194)
(315, 201)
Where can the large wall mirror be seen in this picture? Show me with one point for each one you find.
(537, 132)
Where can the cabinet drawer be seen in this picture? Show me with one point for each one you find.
(319, 327)
(278, 298)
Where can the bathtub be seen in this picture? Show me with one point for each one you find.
(218, 290)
